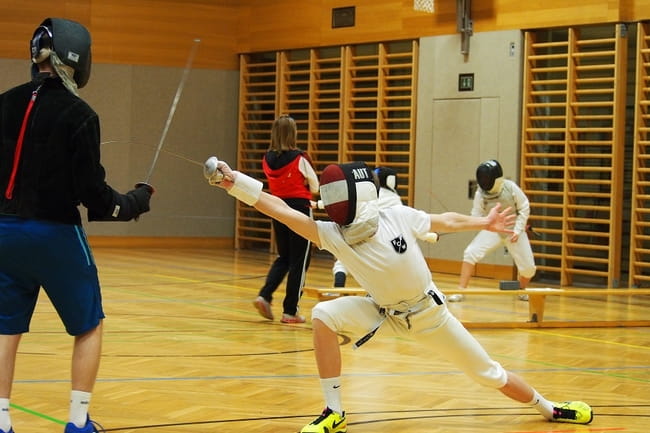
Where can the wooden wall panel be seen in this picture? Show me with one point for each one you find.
(635, 10)
(143, 32)
(19, 19)
(160, 32)
(512, 14)
(310, 21)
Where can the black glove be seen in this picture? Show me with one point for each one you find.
(146, 185)
(139, 198)
(123, 207)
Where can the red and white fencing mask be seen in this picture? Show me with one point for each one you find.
(349, 196)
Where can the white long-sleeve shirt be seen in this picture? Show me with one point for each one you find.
(509, 196)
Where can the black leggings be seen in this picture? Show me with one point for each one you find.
(294, 253)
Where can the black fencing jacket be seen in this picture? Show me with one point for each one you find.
(59, 165)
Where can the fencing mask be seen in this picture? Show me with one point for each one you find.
(489, 176)
(69, 41)
(387, 178)
(349, 196)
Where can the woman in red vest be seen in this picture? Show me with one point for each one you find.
(292, 178)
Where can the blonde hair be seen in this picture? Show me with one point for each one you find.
(65, 72)
(283, 134)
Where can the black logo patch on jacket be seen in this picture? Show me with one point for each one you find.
(399, 244)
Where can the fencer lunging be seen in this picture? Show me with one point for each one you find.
(379, 247)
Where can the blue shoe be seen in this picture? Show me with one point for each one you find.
(90, 427)
(11, 430)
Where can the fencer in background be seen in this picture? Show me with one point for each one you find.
(380, 250)
(494, 189)
(49, 165)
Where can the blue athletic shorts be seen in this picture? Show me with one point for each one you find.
(57, 257)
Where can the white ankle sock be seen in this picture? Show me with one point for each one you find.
(79, 402)
(542, 405)
(5, 420)
(332, 391)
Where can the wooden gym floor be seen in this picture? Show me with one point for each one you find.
(185, 351)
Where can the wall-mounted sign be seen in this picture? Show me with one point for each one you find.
(465, 82)
(343, 17)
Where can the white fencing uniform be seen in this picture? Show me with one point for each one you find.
(485, 241)
(402, 297)
(386, 198)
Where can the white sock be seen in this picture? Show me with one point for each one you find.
(332, 391)
(79, 402)
(5, 420)
(542, 405)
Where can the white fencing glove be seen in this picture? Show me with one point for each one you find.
(212, 172)
(244, 187)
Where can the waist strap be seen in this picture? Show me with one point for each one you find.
(407, 308)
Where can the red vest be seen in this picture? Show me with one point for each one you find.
(287, 181)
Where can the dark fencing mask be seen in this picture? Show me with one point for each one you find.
(71, 43)
(487, 173)
(387, 178)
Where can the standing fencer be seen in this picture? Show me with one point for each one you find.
(379, 248)
(494, 189)
(49, 165)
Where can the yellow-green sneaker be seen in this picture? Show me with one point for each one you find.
(328, 422)
(576, 412)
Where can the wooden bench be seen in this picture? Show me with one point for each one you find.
(324, 294)
(536, 304)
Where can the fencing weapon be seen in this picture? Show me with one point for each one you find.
(172, 110)
(169, 152)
